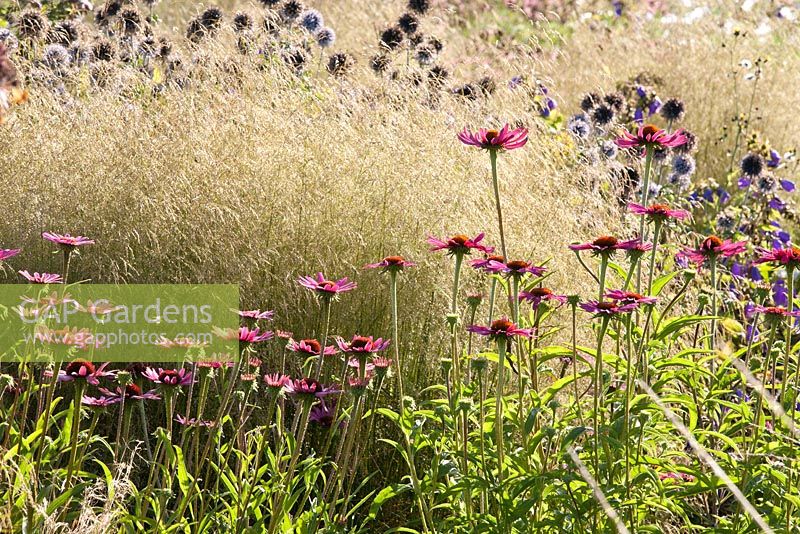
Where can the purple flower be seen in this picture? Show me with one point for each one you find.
(131, 391)
(504, 139)
(787, 185)
(66, 241)
(362, 344)
(460, 244)
(168, 377)
(6, 253)
(624, 298)
(41, 278)
(191, 421)
(308, 388)
(390, 264)
(712, 248)
(500, 329)
(84, 370)
(256, 314)
(607, 309)
(309, 346)
(99, 402)
(606, 245)
(537, 295)
(326, 288)
(774, 159)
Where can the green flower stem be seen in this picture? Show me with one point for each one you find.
(492, 296)
(793, 399)
(326, 313)
(656, 234)
(713, 337)
(602, 277)
(498, 406)
(396, 335)
(496, 185)
(80, 385)
(453, 320)
(597, 385)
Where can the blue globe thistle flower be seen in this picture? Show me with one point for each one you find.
(325, 37)
(8, 39)
(683, 164)
(752, 165)
(610, 149)
(56, 57)
(725, 222)
(578, 125)
(311, 20)
(681, 182)
(766, 184)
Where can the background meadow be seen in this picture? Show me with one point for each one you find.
(249, 154)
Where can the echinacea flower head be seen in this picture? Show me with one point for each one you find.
(168, 377)
(713, 247)
(362, 344)
(500, 329)
(504, 139)
(606, 245)
(84, 370)
(276, 380)
(131, 391)
(191, 421)
(658, 212)
(488, 263)
(381, 363)
(323, 413)
(325, 288)
(608, 308)
(256, 315)
(460, 244)
(357, 384)
(245, 335)
(787, 257)
(514, 268)
(6, 253)
(537, 295)
(308, 389)
(41, 278)
(629, 297)
(311, 347)
(649, 136)
(66, 241)
(99, 402)
(390, 264)
(775, 312)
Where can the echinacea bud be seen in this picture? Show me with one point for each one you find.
(447, 365)
(479, 364)
(124, 378)
(573, 300)
(465, 404)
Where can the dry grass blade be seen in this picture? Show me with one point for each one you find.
(598, 493)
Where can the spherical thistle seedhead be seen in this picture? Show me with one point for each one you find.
(589, 101)
(615, 101)
(131, 20)
(242, 22)
(65, 33)
(104, 50)
(438, 75)
(487, 85)
(419, 6)
(672, 109)
(340, 64)
(391, 38)
(211, 19)
(467, 90)
(32, 24)
(602, 114)
(290, 11)
(408, 23)
(379, 63)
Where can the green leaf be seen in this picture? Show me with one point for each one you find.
(387, 493)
